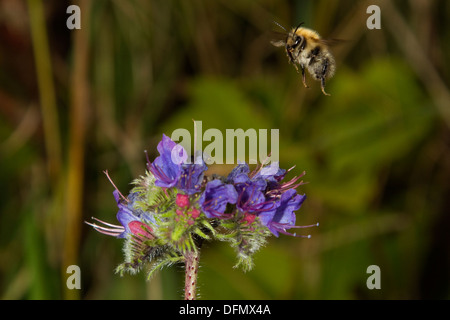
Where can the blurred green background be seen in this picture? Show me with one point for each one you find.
(376, 152)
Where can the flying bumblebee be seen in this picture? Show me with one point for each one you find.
(305, 48)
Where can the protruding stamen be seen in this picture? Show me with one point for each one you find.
(115, 230)
(148, 160)
(281, 227)
(110, 180)
(307, 226)
(106, 223)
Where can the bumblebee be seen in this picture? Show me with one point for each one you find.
(304, 47)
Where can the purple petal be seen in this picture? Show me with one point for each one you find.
(283, 217)
(215, 198)
(167, 167)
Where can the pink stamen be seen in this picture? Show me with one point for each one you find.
(114, 230)
(110, 180)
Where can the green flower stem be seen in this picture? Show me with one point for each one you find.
(191, 271)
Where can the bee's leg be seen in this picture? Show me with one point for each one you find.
(304, 77)
(291, 58)
(322, 86)
(322, 78)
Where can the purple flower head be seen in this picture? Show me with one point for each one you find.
(251, 189)
(214, 199)
(272, 173)
(124, 216)
(191, 177)
(283, 216)
(251, 194)
(240, 169)
(131, 220)
(128, 216)
(167, 167)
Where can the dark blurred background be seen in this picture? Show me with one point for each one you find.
(74, 103)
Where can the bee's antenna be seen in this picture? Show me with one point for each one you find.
(280, 26)
(299, 25)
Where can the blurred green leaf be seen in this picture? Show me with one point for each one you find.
(355, 135)
(218, 103)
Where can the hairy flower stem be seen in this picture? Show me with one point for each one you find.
(191, 270)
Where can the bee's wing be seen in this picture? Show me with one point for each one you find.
(278, 38)
(278, 43)
(332, 42)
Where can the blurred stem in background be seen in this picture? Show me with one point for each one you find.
(421, 63)
(73, 192)
(79, 102)
(40, 280)
(46, 88)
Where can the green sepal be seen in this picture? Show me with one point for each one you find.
(178, 232)
(152, 198)
(201, 234)
(165, 261)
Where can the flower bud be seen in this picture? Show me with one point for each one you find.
(182, 200)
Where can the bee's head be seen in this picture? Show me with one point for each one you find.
(295, 40)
